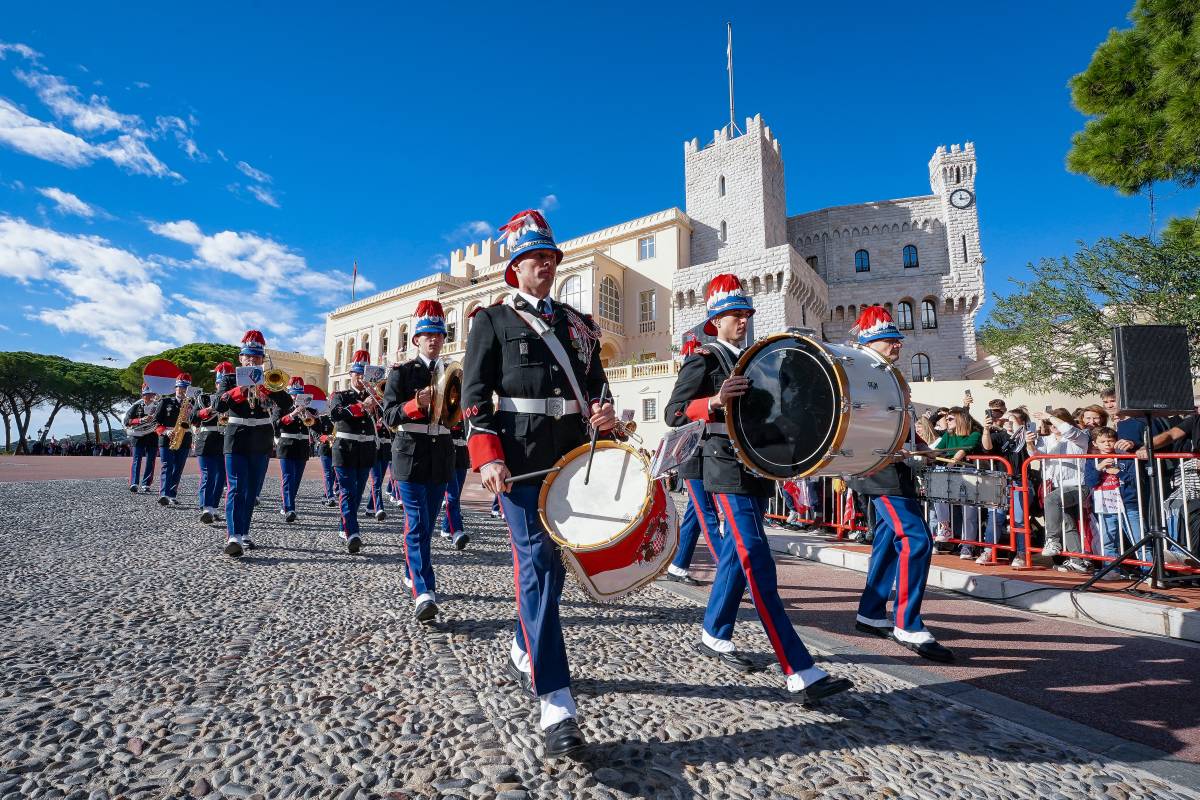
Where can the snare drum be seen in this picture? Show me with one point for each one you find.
(816, 408)
(620, 531)
(965, 487)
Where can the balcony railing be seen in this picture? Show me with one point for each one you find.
(651, 369)
(646, 326)
(612, 327)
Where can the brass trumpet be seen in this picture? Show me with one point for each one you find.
(275, 379)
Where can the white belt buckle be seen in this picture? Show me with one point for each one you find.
(556, 407)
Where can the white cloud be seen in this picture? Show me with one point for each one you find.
(20, 49)
(93, 115)
(141, 84)
(181, 129)
(42, 140)
(548, 203)
(221, 153)
(439, 263)
(474, 229)
(273, 268)
(67, 203)
(252, 173)
(264, 195)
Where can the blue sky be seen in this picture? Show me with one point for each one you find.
(171, 175)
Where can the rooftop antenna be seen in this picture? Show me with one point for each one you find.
(733, 128)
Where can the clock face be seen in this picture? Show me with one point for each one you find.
(961, 198)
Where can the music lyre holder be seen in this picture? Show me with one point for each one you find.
(1153, 535)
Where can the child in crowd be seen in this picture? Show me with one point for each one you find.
(1114, 493)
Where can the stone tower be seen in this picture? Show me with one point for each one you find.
(736, 201)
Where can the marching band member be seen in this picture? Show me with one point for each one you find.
(902, 539)
(172, 460)
(248, 439)
(324, 433)
(292, 450)
(544, 386)
(210, 445)
(353, 411)
(702, 391)
(422, 455)
(145, 447)
(700, 516)
(452, 522)
(383, 458)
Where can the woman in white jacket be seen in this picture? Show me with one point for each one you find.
(1065, 493)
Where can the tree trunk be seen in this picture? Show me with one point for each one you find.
(108, 424)
(53, 413)
(22, 414)
(96, 426)
(7, 434)
(86, 436)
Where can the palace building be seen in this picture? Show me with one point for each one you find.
(643, 280)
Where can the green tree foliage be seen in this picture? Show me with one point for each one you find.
(1053, 334)
(197, 359)
(27, 380)
(1142, 92)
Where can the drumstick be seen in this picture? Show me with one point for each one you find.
(527, 475)
(595, 432)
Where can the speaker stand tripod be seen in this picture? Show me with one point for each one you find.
(1154, 536)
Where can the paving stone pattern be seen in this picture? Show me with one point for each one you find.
(140, 662)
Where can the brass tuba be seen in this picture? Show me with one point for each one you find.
(275, 379)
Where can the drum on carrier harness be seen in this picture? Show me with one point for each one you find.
(816, 408)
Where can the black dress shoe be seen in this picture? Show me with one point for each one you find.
(426, 611)
(163, 500)
(826, 687)
(686, 580)
(931, 650)
(731, 659)
(290, 517)
(564, 739)
(882, 633)
(523, 679)
(206, 516)
(461, 541)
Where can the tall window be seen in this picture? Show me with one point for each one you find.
(573, 293)
(402, 343)
(610, 300)
(904, 315)
(646, 311)
(920, 367)
(337, 357)
(366, 345)
(649, 409)
(383, 346)
(862, 261)
(451, 325)
(928, 314)
(646, 247)
(721, 186)
(724, 231)
(910, 257)
(812, 262)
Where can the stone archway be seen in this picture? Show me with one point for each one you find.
(610, 354)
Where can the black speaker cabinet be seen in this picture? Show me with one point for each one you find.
(1153, 370)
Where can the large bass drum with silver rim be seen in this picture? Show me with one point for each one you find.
(816, 408)
(620, 531)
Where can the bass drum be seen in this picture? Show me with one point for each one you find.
(816, 408)
(620, 531)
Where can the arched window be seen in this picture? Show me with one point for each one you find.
(469, 320)
(724, 231)
(679, 299)
(610, 300)
(383, 346)
(756, 285)
(365, 344)
(721, 186)
(691, 298)
(910, 257)
(575, 294)
(957, 175)
(451, 325)
(928, 314)
(337, 357)
(904, 316)
(402, 343)
(840, 314)
(920, 368)
(862, 261)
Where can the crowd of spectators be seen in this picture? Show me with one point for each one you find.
(72, 447)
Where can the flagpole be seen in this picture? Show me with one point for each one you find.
(353, 280)
(729, 67)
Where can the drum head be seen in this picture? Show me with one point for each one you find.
(614, 500)
(784, 426)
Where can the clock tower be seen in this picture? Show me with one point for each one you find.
(952, 179)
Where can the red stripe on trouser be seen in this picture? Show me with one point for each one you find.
(703, 524)
(411, 579)
(902, 581)
(744, 558)
(517, 588)
(282, 486)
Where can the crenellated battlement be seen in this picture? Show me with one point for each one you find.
(754, 125)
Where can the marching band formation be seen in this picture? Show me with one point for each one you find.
(529, 411)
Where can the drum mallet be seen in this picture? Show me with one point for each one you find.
(595, 432)
(529, 475)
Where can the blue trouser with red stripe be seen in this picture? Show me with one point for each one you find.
(262, 477)
(538, 573)
(244, 472)
(212, 480)
(699, 517)
(452, 523)
(330, 479)
(351, 482)
(375, 499)
(291, 472)
(172, 470)
(902, 545)
(421, 503)
(746, 559)
(143, 454)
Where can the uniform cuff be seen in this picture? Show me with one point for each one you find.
(484, 448)
(412, 409)
(355, 409)
(698, 410)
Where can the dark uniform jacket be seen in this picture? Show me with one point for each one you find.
(416, 457)
(506, 356)
(324, 433)
(287, 447)
(700, 378)
(166, 416)
(383, 434)
(458, 437)
(248, 439)
(137, 412)
(348, 415)
(209, 439)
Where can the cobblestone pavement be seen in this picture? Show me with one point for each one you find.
(138, 661)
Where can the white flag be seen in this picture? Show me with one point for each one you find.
(729, 48)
